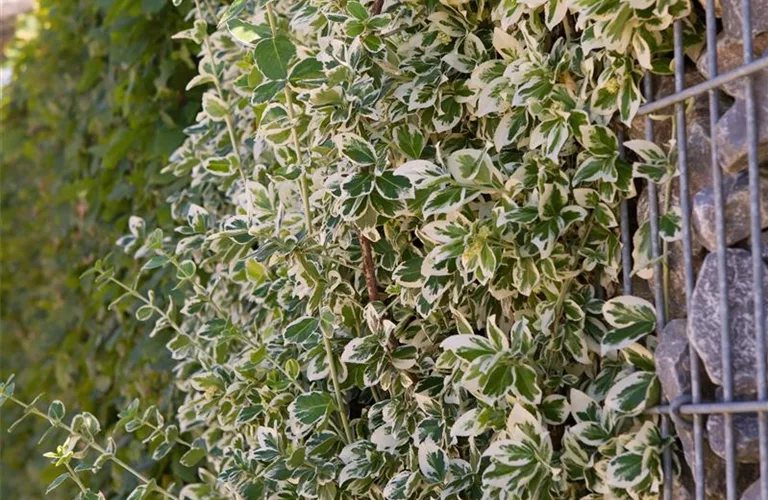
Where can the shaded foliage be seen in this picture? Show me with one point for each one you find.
(95, 107)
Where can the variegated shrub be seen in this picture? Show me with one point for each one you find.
(397, 226)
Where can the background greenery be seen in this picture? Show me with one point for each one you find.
(96, 105)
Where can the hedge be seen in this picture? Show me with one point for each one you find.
(390, 266)
(95, 108)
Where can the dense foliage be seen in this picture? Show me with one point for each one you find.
(95, 108)
(393, 227)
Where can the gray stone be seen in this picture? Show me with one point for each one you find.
(753, 492)
(705, 320)
(745, 434)
(765, 246)
(673, 363)
(673, 369)
(731, 130)
(733, 16)
(699, 155)
(737, 225)
(730, 55)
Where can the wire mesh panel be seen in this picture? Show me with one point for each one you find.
(705, 413)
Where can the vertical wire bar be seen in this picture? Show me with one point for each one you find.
(685, 208)
(653, 217)
(626, 236)
(758, 292)
(666, 458)
(722, 269)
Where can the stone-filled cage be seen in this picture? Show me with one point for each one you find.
(711, 357)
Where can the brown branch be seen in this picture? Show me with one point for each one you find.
(377, 5)
(368, 269)
(370, 281)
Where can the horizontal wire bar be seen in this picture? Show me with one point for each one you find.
(728, 407)
(715, 82)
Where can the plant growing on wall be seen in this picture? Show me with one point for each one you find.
(395, 226)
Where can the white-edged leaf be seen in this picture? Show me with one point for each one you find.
(433, 462)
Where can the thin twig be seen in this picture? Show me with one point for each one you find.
(91, 444)
(368, 269)
(303, 184)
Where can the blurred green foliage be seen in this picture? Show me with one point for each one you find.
(96, 105)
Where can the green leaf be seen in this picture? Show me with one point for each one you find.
(394, 187)
(356, 149)
(629, 99)
(309, 409)
(186, 270)
(306, 70)
(408, 274)
(214, 107)
(267, 91)
(422, 173)
(627, 310)
(433, 462)
(619, 338)
(401, 486)
(361, 350)
(192, 457)
(356, 10)
(56, 482)
(633, 394)
(466, 164)
(626, 471)
(56, 410)
(272, 56)
(255, 271)
(525, 275)
(246, 32)
(448, 200)
(594, 169)
(511, 127)
(249, 414)
(234, 10)
(410, 141)
(143, 313)
(555, 409)
(646, 150)
(671, 225)
(525, 386)
(469, 347)
(301, 330)
(155, 261)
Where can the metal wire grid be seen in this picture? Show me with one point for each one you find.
(693, 406)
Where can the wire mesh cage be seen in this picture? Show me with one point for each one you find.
(730, 294)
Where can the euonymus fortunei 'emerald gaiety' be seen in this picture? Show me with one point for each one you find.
(396, 222)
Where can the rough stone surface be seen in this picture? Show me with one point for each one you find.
(699, 154)
(663, 86)
(753, 492)
(731, 130)
(675, 254)
(733, 17)
(737, 226)
(705, 321)
(683, 487)
(673, 368)
(730, 55)
(673, 363)
(765, 246)
(745, 433)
